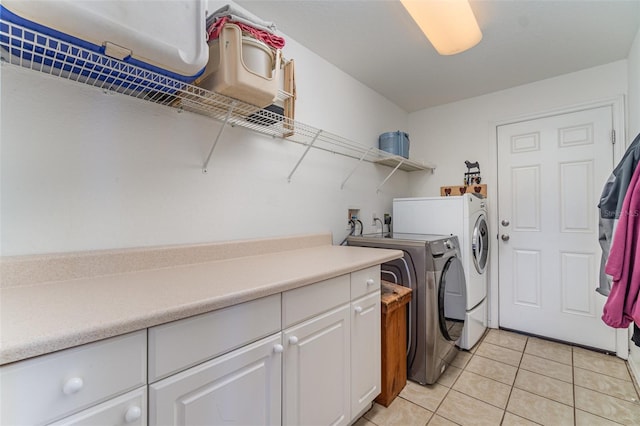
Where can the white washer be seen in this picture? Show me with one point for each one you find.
(466, 217)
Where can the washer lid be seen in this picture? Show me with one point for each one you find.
(480, 244)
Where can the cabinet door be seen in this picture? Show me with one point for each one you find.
(365, 351)
(316, 370)
(242, 387)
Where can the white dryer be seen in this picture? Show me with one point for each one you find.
(466, 217)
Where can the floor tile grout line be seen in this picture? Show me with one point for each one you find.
(513, 386)
(434, 412)
(606, 394)
(519, 368)
(599, 416)
(546, 397)
(636, 385)
(573, 388)
(471, 396)
(605, 374)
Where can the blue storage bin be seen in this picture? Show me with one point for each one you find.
(94, 41)
(396, 143)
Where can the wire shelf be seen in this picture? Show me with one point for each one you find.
(30, 49)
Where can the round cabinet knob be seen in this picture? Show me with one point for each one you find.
(505, 222)
(293, 340)
(278, 348)
(358, 309)
(505, 237)
(371, 281)
(73, 385)
(132, 414)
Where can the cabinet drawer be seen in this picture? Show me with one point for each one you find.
(49, 387)
(129, 409)
(365, 281)
(308, 301)
(182, 344)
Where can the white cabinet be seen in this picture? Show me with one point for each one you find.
(365, 352)
(308, 356)
(332, 349)
(224, 370)
(242, 387)
(47, 388)
(316, 370)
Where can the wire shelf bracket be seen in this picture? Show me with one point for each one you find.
(304, 154)
(388, 176)
(215, 142)
(355, 167)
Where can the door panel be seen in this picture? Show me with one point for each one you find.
(575, 270)
(550, 172)
(526, 277)
(526, 198)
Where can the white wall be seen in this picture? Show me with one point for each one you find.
(450, 134)
(633, 102)
(82, 170)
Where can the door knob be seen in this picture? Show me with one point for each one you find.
(505, 222)
(505, 237)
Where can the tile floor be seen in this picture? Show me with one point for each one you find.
(512, 379)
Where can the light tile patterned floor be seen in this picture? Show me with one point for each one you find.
(512, 379)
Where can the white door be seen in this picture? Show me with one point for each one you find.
(366, 368)
(242, 387)
(550, 175)
(316, 370)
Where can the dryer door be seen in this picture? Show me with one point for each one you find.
(403, 271)
(480, 244)
(452, 299)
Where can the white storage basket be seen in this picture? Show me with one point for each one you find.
(243, 68)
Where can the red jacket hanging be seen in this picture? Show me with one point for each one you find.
(622, 306)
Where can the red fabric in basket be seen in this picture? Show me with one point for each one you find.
(272, 40)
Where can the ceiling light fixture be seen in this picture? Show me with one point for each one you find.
(450, 25)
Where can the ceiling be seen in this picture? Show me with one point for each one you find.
(377, 42)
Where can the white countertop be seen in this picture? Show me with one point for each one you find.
(42, 317)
